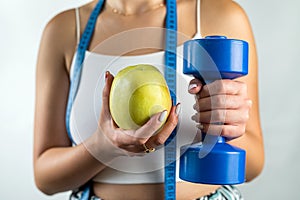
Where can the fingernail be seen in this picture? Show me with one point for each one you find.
(106, 74)
(250, 102)
(192, 86)
(177, 110)
(162, 116)
(193, 117)
(200, 126)
(195, 107)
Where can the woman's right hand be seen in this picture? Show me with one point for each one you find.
(113, 141)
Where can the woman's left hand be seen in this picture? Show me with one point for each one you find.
(222, 107)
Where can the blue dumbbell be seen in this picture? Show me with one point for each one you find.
(213, 161)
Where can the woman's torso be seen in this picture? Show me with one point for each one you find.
(118, 176)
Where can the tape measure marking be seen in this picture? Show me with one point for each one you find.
(170, 76)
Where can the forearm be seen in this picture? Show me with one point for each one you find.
(253, 145)
(65, 168)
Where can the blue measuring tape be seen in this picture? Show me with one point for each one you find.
(170, 76)
(81, 49)
(74, 82)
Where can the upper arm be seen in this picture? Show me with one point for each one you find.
(52, 86)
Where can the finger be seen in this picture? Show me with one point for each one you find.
(105, 95)
(195, 86)
(141, 135)
(140, 149)
(137, 148)
(133, 148)
(163, 134)
(227, 131)
(220, 102)
(223, 87)
(223, 116)
(151, 127)
(135, 144)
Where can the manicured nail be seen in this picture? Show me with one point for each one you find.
(194, 117)
(178, 108)
(106, 74)
(250, 102)
(192, 86)
(162, 116)
(196, 107)
(200, 126)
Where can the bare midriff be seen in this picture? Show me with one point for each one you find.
(184, 191)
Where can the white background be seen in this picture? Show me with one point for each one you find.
(277, 29)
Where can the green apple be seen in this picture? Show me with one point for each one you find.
(137, 93)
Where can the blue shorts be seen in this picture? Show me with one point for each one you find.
(226, 192)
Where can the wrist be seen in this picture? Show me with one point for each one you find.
(101, 148)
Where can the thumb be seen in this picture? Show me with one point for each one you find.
(152, 125)
(195, 86)
(105, 94)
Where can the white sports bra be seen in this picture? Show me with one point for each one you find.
(87, 106)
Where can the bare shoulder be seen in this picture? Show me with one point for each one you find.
(225, 6)
(59, 37)
(64, 23)
(225, 17)
(59, 32)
